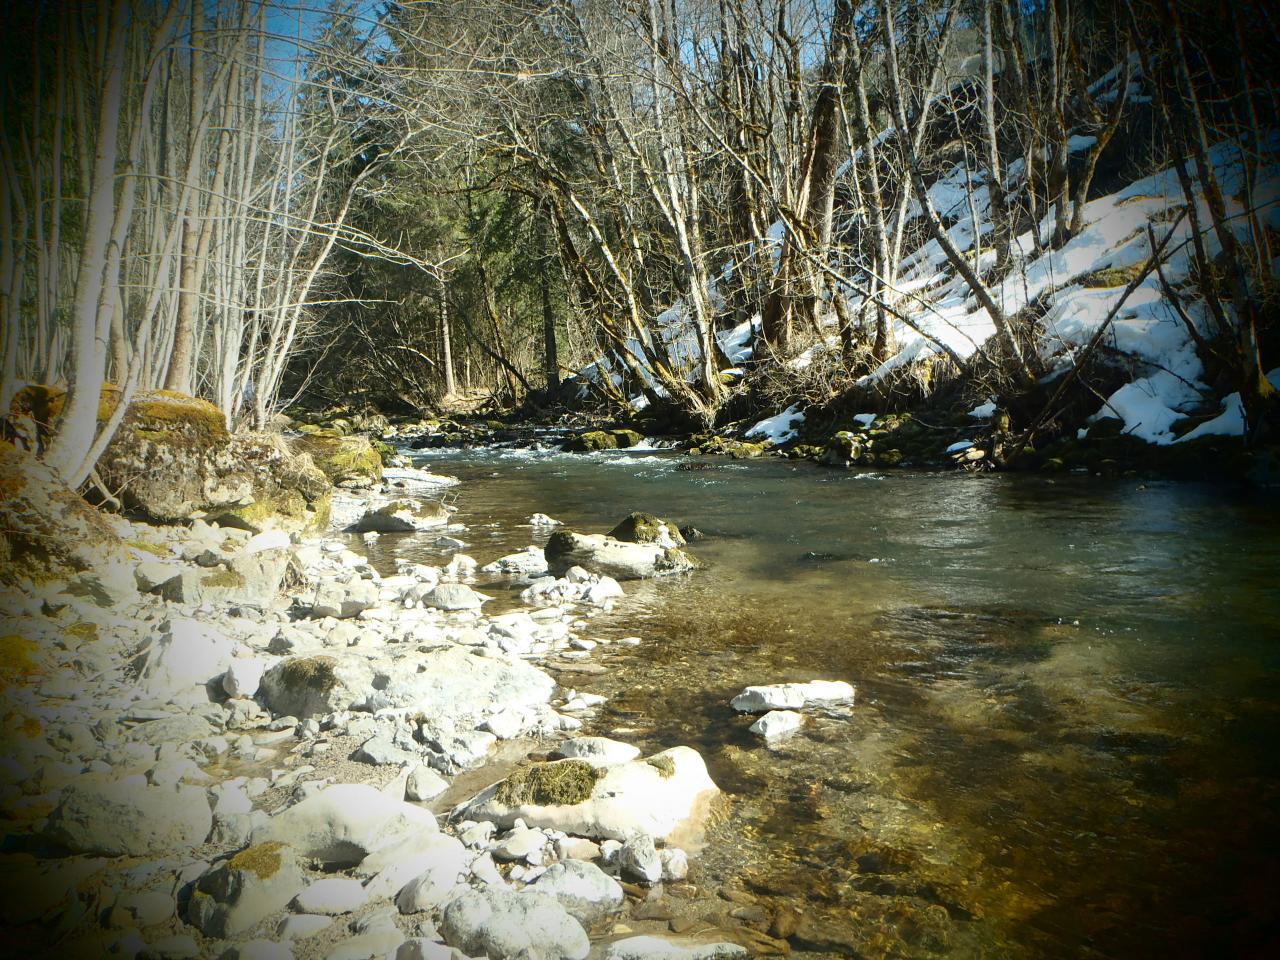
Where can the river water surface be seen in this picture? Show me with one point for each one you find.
(1065, 741)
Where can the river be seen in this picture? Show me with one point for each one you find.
(1065, 735)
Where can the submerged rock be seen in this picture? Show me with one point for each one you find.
(613, 558)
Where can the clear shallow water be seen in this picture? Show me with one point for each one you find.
(1065, 740)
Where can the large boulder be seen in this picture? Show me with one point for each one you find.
(184, 653)
(345, 823)
(314, 686)
(130, 818)
(48, 530)
(646, 528)
(504, 925)
(613, 558)
(236, 894)
(347, 461)
(454, 682)
(173, 456)
(583, 889)
(403, 516)
(660, 796)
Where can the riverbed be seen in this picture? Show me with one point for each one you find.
(1064, 739)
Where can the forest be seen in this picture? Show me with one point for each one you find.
(639, 479)
(702, 209)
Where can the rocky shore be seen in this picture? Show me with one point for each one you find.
(229, 740)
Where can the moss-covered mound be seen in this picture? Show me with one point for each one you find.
(48, 530)
(646, 528)
(346, 461)
(561, 782)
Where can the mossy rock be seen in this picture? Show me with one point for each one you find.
(890, 458)
(592, 441)
(665, 766)
(311, 673)
(646, 528)
(558, 783)
(843, 449)
(386, 452)
(346, 461)
(1111, 276)
(627, 438)
(18, 660)
(262, 860)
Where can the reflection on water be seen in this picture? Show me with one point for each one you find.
(1065, 736)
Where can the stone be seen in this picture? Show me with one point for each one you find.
(141, 909)
(454, 596)
(436, 854)
(316, 685)
(638, 860)
(530, 562)
(243, 676)
(130, 818)
(675, 863)
(184, 654)
(48, 530)
(299, 926)
(659, 948)
(236, 894)
(658, 796)
(455, 682)
(178, 947)
(381, 749)
(332, 895)
(402, 516)
(521, 845)
(605, 556)
(791, 696)
(343, 600)
(258, 950)
(583, 889)
(365, 946)
(424, 784)
(646, 528)
(440, 872)
(350, 462)
(420, 948)
(344, 823)
(778, 723)
(598, 751)
(504, 925)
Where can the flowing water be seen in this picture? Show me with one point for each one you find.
(1065, 736)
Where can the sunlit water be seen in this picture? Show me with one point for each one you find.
(1065, 736)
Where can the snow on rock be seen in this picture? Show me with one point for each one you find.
(866, 419)
(958, 446)
(1231, 422)
(983, 410)
(780, 428)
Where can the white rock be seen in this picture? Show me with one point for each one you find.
(791, 696)
(655, 797)
(436, 882)
(299, 926)
(638, 860)
(332, 895)
(130, 818)
(424, 783)
(454, 596)
(258, 950)
(185, 654)
(675, 863)
(583, 889)
(542, 520)
(243, 676)
(598, 751)
(390, 870)
(420, 948)
(364, 946)
(659, 948)
(778, 723)
(520, 845)
(344, 823)
(504, 925)
(235, 895)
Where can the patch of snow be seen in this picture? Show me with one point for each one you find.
(866, 419)
(958, 446)
(983, 410)
(781, 427)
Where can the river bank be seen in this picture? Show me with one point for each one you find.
(256, 745)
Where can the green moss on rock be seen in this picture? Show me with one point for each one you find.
(312, 673)
(641, 527)
(592, 441)
(665, 766)
(562, 782)
(263, 860)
